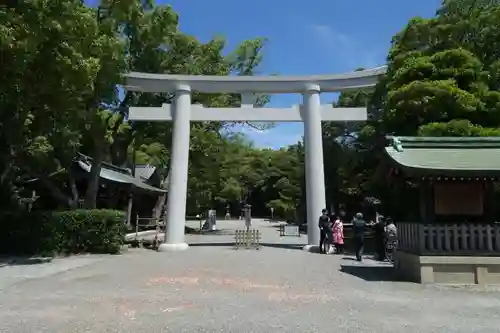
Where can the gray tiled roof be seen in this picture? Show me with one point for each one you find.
(116, 174)
(144, 171)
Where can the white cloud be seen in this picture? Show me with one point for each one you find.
(343, 47)
(275, 138)
(246, 129)
(327, 34)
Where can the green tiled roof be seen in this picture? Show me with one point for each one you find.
(441, 155)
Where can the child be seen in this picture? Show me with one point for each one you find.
(338, 235)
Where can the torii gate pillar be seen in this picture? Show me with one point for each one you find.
(314, 167)
(179, 166)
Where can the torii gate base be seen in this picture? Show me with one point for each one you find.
(181, 113)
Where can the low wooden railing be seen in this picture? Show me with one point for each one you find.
(451, 239)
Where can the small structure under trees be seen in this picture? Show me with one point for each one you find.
(457, 239)
(117, 185)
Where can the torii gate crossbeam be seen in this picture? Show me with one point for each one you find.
(311, 113)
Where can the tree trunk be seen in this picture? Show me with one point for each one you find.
(74, 190)
(5, 172)
(161, 201)
(94, 174)
(54, 191)
(57, 194)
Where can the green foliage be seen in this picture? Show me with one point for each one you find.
(66, 232)
(76, 55)
(456, 127)
(444, 68)
(227, 170)
(442, 80)
(40, 125)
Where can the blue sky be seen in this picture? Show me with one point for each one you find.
(304, 37)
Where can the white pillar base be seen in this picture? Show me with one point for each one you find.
(176, 247)
(311, 248)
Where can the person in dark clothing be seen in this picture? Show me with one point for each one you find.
(380, 238)
(358, 227)
(325, 230)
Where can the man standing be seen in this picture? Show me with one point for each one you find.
(358, 228)
(325, 230)
(390, 229)
(391, 239)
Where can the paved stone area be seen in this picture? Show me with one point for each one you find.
(214, 288)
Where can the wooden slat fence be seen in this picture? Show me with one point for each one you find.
(449, 239)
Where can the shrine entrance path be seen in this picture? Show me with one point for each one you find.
(214, 288)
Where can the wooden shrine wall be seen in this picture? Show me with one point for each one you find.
(459, 198)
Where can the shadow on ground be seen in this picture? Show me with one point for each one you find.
(231, 244)
(23, 261)
(302, 227)
(218, 232)
(274, 221)
(284, 246)
(371, 273)
(218, 244)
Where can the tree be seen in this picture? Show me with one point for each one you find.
(122, 28)
(286, 182)
(442, 79)
(349, 149)
(43, 79)
(77, 106)
(156, 45)
(444, 69)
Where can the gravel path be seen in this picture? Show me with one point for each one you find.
(213, 288)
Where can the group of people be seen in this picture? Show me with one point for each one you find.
(332, 234)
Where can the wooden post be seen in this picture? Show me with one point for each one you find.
(136, 227)
(130, 194)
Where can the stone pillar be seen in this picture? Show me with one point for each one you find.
(179, 163)
(315, 174)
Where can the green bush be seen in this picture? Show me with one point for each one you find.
(74, 231)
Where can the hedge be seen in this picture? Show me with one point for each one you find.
(63, 232)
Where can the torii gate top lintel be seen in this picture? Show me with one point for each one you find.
(148, 82)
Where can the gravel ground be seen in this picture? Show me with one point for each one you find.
(214, 288)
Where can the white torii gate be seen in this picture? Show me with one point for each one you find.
(311, 112)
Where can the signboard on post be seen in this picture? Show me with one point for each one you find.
(292, 230)
(289, 230)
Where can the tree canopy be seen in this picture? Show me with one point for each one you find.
(63, 61)
(442, 80)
